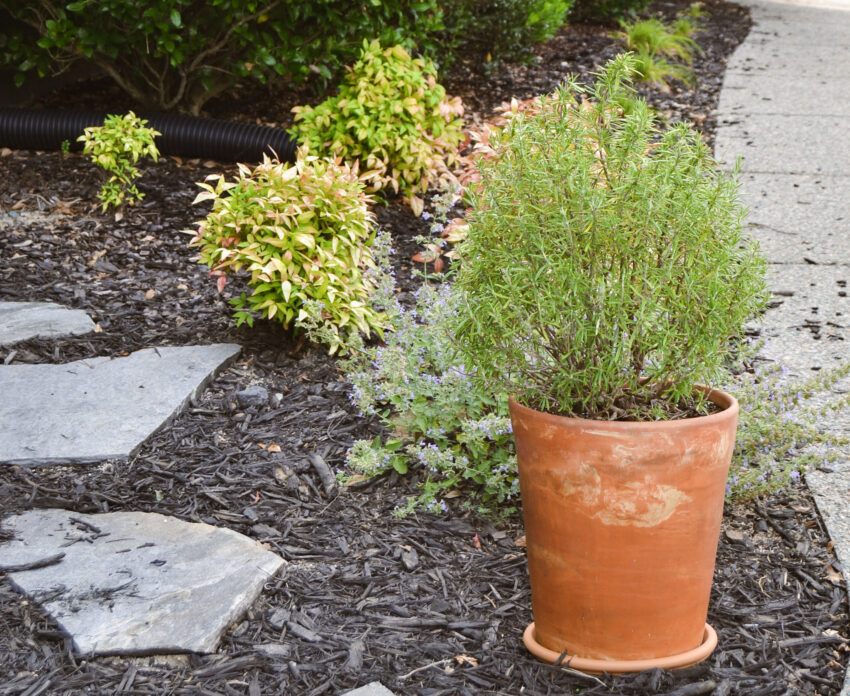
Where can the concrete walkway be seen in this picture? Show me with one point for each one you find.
(783, 110)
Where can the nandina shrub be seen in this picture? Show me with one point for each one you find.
(116, 147)
(392, 116)
(605, 271)
(304, 235)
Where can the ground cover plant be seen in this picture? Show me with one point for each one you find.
(458, 436)
(428, 603)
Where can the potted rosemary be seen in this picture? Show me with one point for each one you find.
(605, 279)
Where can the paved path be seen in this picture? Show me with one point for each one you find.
(783, 110)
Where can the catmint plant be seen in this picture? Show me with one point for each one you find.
(780, 427)
(456, 436)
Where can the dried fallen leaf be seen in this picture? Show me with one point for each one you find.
(833, 575)
(98, 328)
(466, 660)
(273, 448)
(20, 204)
(520, 542)
(150, 294)
(96, 256)
(417, 205)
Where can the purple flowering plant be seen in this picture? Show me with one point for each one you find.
(455, 436)
(780, 425)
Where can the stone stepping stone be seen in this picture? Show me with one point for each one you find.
(371, 689)
(20, 321)
(135, 583)
(103, 408)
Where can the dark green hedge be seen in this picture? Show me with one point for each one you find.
(177, 54)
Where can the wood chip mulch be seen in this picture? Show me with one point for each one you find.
(427, 605)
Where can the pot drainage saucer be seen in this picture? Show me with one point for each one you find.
(585, 664)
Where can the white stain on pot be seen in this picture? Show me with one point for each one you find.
(640, 504)
(634, 503)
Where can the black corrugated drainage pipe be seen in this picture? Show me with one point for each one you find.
(185, 136)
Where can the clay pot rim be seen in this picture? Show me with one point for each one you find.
(720, 398)
(594, 666)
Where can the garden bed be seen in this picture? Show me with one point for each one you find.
(426, 604)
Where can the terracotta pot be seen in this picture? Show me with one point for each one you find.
(622, 521)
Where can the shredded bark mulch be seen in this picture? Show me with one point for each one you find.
(427, 604)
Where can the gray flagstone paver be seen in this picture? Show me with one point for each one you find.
(102, 408)
(370, 689)
(136, 583)
(20, 321)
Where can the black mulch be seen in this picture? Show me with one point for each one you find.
(427, 605)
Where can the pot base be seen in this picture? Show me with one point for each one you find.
(584, 664)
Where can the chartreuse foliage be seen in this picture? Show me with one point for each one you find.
(304, 235)
(455, 435)
(392, 116)
(605, 271)
(177, 54)
(116, 147)
(653, 43)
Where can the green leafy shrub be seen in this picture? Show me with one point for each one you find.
(457, 437)
(116, 147)
(502, 29)
(304, 233)
(605, 271)
(177, 54)
(605, 10)
(393, 116)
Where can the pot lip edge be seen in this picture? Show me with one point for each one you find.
(730, 411)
